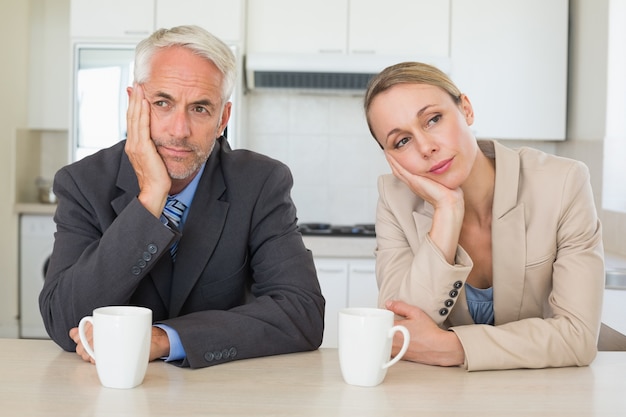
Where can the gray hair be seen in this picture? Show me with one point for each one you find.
(199, 41)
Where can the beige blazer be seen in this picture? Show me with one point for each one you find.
(548, 268)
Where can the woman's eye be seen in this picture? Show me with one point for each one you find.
(434, 120)
(401, 143)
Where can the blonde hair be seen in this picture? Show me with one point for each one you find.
(407, 73)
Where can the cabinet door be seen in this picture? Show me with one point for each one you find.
(362, 286)
(224, 19)
(614, 309)
(112, 19)
(510, 58)
(416, 27)
(333, 278)
(287, 26)
(49, 76)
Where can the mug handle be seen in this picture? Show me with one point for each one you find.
(83, 337)
(405, 344)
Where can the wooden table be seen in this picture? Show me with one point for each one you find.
(39, 379)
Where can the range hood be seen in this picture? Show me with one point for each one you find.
(347, 73)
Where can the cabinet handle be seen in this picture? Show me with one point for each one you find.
(362, 271)
(331, 270)
(136, 32)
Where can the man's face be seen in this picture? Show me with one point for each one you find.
(186, 109)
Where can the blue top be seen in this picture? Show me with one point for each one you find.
(480, 303)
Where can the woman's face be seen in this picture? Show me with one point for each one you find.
(426, 132)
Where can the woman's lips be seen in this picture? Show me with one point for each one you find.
(441, 167)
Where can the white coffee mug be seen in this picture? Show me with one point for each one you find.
(365, 340)
(121, 344)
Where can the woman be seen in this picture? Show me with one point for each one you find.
(492, 256)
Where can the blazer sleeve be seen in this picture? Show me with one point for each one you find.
(565, 331)
(409, 267)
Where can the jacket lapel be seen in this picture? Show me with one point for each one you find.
(201, 232)
(508, 238)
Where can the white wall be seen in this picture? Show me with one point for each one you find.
(14, 32)
(325, 141)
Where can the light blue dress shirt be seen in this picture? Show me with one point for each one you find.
(177, 352)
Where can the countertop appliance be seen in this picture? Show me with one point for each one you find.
(327, 229)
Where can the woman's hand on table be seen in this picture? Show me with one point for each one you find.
(429, 344)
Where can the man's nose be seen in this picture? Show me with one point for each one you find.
(179, 124)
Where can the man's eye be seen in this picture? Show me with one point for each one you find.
(160, 103)
(200, 109)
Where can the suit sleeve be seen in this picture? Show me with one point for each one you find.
(96, 257)
(285, 310)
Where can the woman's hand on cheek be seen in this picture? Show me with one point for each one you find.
(429, 344)
(426, 188)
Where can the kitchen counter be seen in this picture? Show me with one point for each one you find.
(34, 208)
(38, 379)
(341, 246)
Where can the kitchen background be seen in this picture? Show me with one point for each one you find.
(322, 137)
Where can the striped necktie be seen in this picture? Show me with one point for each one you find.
(174, 210)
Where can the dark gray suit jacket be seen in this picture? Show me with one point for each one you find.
(243, 284)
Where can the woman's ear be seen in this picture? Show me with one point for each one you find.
(468, 110)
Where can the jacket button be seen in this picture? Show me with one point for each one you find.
(141, 263)
(152, 248)
(232, 352)
(449, 303)
(135, 270)
(453, 293)
(443, 311)
(225, 353)
(209, 356)
(458, 284)
(218, 355)
(147, 256)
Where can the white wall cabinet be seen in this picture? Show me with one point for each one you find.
(134, 20)
(345, 283)
(287, 26)
(112, 19)
(401, 27)
(349, 26)
(510, 58)
(49, 68)
(224, 19)
(614, 309)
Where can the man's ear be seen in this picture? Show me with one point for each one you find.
(224, 119)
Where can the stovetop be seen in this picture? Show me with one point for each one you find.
(327, 229)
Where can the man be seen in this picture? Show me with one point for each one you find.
(225, 271)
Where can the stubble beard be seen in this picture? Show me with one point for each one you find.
(177, 168)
